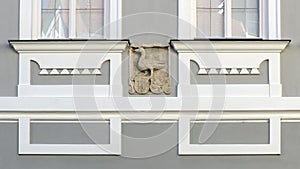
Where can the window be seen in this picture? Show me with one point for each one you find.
(89, 18)
(210, 18)
(239, 17)
(55, 19)
(57, 22)
(70, 19)
(229, 19)
(245, 18)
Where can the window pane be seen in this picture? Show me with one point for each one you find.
(238, 23)
(252, 4)
(252, 22)
(48, 24)
(97, 4)
(82, 23)
(96, 27)
(217, 3)
(48, 4)
(238, 4)
(83, 4)
(217, 25)
(62, 4)
(203, 22)
(203, 3)
(62, 24)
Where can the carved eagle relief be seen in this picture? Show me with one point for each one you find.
(150, 75)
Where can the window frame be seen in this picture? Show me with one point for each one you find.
(269, 17)
(30, 19)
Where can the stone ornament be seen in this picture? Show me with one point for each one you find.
(149, 70)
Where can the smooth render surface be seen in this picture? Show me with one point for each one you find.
(151, 21)
(9, 14)
(165, 158)
(140, 26)
(290, 58)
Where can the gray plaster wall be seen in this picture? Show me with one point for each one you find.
(289, 159)
(159, 27)
(9, 14)
(290, 58)
(150, 21)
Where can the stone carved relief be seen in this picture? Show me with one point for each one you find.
(149, 70)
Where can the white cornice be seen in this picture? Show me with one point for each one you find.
(70, 46)
(233, 46)
(148, 117)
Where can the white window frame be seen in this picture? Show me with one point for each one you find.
(30, 19)
(269, 12)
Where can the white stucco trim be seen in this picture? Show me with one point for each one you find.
(30, 19)
(274, 18)
(233, 55)
(113, 148)
(186, 148)
(230, 46)
(53, 55)
(153, 104)
(25, 19)
(68, 46)
(187, 22)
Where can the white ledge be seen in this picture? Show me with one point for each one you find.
(68, 46)
(149, 104)
(232, 46)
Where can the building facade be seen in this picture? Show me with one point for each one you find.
(149, 84)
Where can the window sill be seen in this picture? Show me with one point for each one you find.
(230, 45)
(68, 45)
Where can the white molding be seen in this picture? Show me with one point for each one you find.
(186, 148)
(263, 18)
(274, 18)
(25, 19)
(114, 23)
(153, 104)
(149, 116)
(113, 148)
(187, 22)
(229, 55)
(278, 19)
(36, 19)
(226, 90)
(227, 18)
(69, 55)
(72, 19)
(67, 46)
(234, 46)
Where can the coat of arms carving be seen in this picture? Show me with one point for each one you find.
(149, 70)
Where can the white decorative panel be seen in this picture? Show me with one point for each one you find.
(229, 58)
(69, 58)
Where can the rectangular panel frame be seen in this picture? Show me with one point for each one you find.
(113, 148)
(186, 148)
